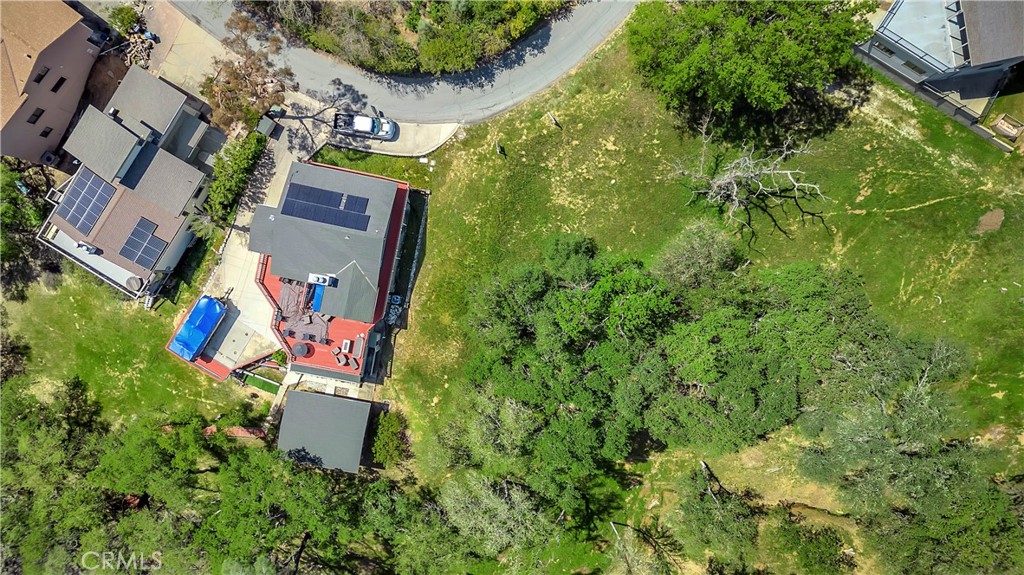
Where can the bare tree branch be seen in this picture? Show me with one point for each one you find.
(751, 181)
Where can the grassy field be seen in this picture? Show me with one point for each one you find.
(907, 185)
(84, 328)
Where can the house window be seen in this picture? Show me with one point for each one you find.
(883, 48)
(46, 132)
(59, 83)
(915, 68)
(42, 74)
(35, 116)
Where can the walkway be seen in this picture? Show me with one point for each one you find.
(550, 52)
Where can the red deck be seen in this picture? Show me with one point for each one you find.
(338, 330)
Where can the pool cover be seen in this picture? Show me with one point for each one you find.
(197, 329)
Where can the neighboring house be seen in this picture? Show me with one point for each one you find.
(330, 259)
(324, 430)
(124, 214)
(959, 51)
(46, 53)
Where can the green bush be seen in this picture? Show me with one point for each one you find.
(231, 170)
(389, 445)
(123, 19)
(450, 49)
(280, 357)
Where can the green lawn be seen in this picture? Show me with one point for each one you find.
(907, 184)
(85, 328)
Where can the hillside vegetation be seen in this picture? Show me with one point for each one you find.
(409, 37)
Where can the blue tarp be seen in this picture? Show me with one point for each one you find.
(318, 297)
(197, 329)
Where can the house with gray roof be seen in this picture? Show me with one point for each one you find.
(324, 430)
(329, 260)
(124, 214)
(960, 53)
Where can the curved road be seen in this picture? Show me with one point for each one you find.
(534, 63)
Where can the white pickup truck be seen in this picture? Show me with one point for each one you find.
(365, 126)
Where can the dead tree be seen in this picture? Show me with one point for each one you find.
(751, 182)
(246, 82)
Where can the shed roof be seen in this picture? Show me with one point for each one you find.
(995, 29)
(324, 430)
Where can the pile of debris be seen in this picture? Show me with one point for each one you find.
(137, 50)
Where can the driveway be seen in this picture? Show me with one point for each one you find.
(550, 52)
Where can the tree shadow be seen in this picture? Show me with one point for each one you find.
(811, 113)
(303, 457)
(259, 182)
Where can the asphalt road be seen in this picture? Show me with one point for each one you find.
(534, 63)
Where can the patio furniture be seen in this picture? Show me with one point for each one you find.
(342, 360)
(308, 319)
(346, 345)
(354, 363)
(1008, 126)
(336, 351)
(300, 349)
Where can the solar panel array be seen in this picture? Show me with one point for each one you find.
(142, 247)
(86, 198)
(327, 207)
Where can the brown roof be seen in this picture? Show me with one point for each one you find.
(117, 222)
(26, 29)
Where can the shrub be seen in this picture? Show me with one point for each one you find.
(123, 19)
(451, 48)
(231, 170)
(389, 444)
(696, 256)
(280, 357)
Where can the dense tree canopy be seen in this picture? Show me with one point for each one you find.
(581, 362)
(719, 55)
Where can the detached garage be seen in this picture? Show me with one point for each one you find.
(324, 430)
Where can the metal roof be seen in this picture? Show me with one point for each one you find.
(301, 246)
(324, 430)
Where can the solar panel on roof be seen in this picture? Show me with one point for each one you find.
(326, 215)
(356, 204)
(86, 198)
(318, 196)
(142, 247)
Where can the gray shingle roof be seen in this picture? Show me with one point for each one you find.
(162, 179)
(995, 29)
(100, 143)
(148, 99)
(324, 430)
(299, 247)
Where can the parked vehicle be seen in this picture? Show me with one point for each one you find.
(365, 126)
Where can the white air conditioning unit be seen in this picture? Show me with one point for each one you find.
(87, 248)
(319, 279)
